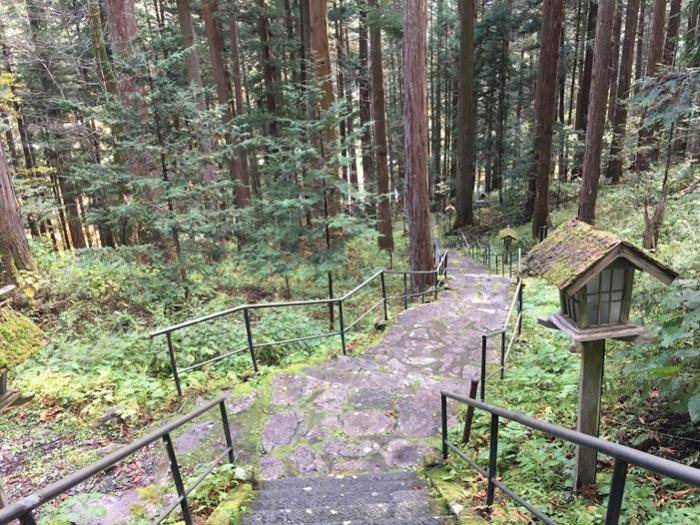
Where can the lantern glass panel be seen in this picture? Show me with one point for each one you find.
(605, 295)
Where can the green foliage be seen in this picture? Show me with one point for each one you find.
(673, 363)
(541, 380)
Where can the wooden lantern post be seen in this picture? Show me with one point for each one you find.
(594, 271)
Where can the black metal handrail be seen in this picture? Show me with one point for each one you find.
(476, 251)
(251, 345)
(502, 333)
(623, 456)
(23, 509)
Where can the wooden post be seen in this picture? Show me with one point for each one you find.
(589, 394)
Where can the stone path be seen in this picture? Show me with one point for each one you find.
(379, 411)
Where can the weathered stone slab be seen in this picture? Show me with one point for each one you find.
(283, 428)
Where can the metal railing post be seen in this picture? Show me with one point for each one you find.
(405, 291)
(482, 387)
(493, 458)
(177, 478)
(437, 280)
(386, 308)
(510, 265)
(617, 492)
(331, 310)
(249, 335)
(173, 363)
(227, 432)
(443, 404)
(341, 320)
(503, 354)
(520, 307)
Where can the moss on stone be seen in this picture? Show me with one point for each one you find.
(231, 510)
(19, 338)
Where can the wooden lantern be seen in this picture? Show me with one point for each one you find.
(594, 271)
(507, 235)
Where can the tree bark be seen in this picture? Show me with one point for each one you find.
(193, 73)
(596, 112)
(464, 183)
(321, 60)
(224, 97)
(614, 60)
(619, 122)
(646, 150)
(547, 70)
(14, 248)
(639, 57)
(416, 141)
(674, 25)
(384, 226)
(67, 195)
(584, 89)
(268, 68)
(363, 85)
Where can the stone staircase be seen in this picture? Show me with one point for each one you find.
(390, 498)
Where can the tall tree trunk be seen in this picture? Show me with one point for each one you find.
(436, 128)
(140, 163)
(416, 141)
(692, 37)
(365, 101)
(14, 248)
(268, 67)
(596, 112)
(340, 83)
(614, 60)
(321, 60)
(193, 73)
(674, 25)
(577, 53)
(619, 122)
(466, 121)
(384, 226)
(584, 89)
(224, 97)
(349, 121)
(639, 57)
(68, 194)
(502, 113)
(647, 151)
(547, 70)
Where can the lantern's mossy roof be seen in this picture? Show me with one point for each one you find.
(19, 338)
(507, 232)
(575, 247)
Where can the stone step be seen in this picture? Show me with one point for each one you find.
(388, 498)
(336, 481)
(430, 520)
(404, 510)
(391, 492)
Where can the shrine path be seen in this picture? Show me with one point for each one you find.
(379, 410)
